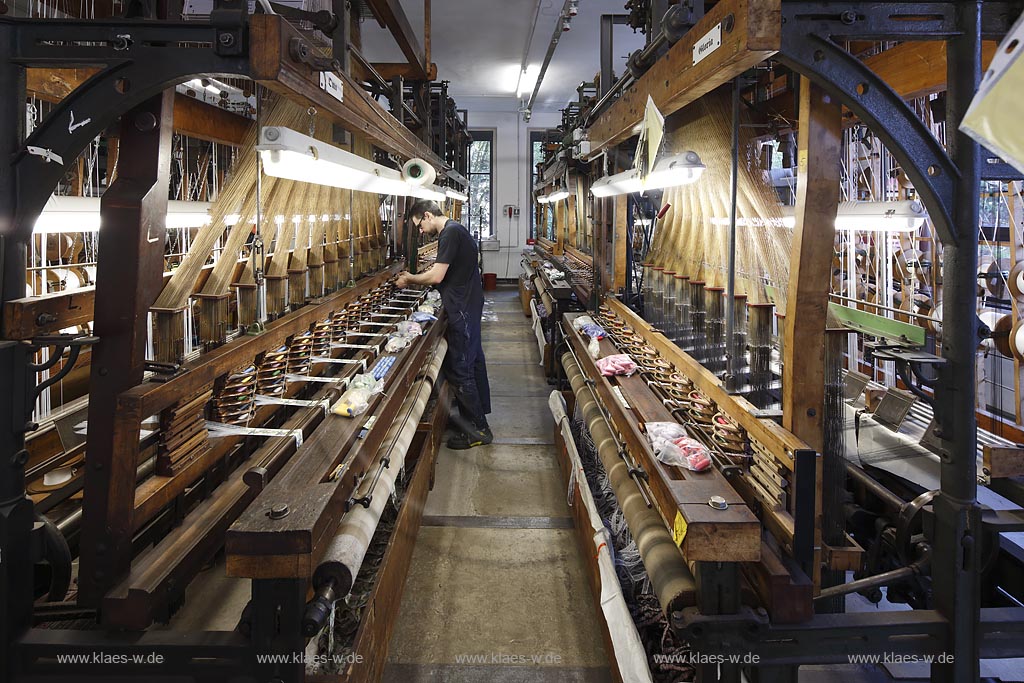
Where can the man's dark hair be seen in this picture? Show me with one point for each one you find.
(422, 206)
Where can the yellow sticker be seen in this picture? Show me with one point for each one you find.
(679, 529)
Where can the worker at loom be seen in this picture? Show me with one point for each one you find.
(457, 276)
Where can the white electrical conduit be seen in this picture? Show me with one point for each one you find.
(629, 653)
(344, 556)
(538, 329)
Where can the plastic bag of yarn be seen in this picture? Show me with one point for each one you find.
(672, 445)
(355, 401)
(397, 343)
(422, 318)
(617, 364)
(407, 328)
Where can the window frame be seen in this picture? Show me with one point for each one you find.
(488, 135)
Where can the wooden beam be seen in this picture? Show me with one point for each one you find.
(273, 64)
(390, 15)
(197, 119)
(192, 117)
(818, 153)
(675, 81)
(915, 69)
(35, 316)
(389, 70)
(130, 271)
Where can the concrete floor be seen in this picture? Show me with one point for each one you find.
(497, 590)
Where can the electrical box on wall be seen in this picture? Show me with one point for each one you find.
(510, 211)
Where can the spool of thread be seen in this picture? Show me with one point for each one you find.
(935, 324)
(1001, 334)
(418, 172)
(991, 319)
(1016, 341)
(1016, 281)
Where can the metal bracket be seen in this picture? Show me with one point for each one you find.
(60, 342)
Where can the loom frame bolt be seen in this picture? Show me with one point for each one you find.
(718, 503)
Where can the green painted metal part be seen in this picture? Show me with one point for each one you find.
(878, 326)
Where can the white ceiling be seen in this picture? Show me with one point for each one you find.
(478, 45)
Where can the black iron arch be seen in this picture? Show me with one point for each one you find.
(139, 60)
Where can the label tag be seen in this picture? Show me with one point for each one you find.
(711, 41)
(333, 85)
(679, 529)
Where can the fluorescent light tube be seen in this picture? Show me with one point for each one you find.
(431, 192)
(901, 216)
(82, 214)
(456, 195)
(288, 154)
(558, 195)
(670, 171)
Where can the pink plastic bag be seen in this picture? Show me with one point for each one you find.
(618, 364)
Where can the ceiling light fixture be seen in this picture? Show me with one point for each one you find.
(566, 24)
(456, 195)
(288, 154)
(900, 216)
(671, 171)
(574, 7)
(558, 195)
(82, 214)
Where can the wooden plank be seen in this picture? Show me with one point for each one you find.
(731, 535)
(781, 587)
(390, 70)
(810, 271)
(129, 275)
(675, 81)
(192, 117)
(316, 504)
(1002, 462)
(918, 69)
(619, 226)
(273, 65)
(38, 315)
(779, 441)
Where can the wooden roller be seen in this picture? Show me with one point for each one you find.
(1016, 281)
(1016, 341)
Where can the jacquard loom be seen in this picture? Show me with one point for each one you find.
(819, 345)
(212, 369)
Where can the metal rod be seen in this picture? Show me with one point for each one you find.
(869, 582)
(891, 500)
(730, 288)
(555, 36)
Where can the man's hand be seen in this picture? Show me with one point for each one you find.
(403, 279)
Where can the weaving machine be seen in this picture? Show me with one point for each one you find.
(212, 372)
(752, 302)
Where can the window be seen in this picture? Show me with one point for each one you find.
(481, 183)
(536, 157)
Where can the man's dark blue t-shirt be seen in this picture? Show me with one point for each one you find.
(460, 289)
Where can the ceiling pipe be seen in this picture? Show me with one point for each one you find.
(563, 16)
